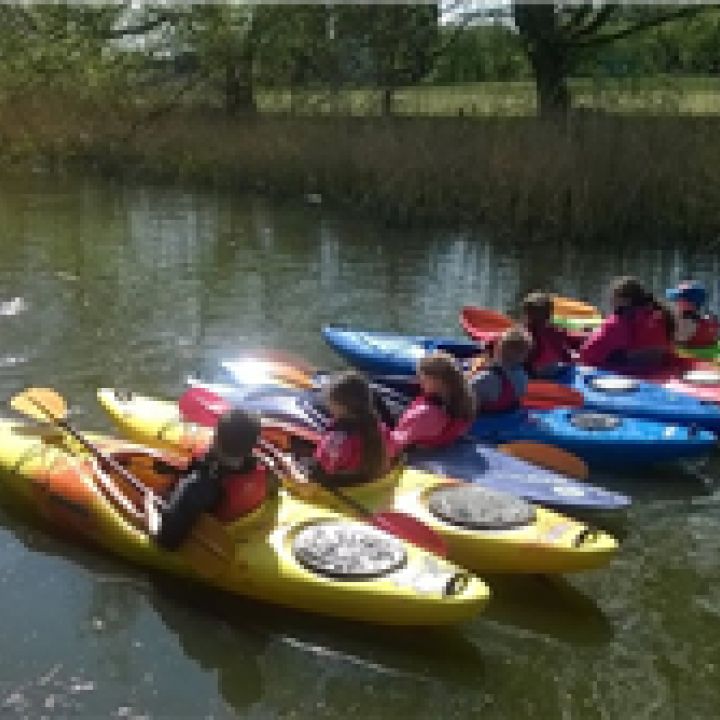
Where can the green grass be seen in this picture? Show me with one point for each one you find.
(661, 94)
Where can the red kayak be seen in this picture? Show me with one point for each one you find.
(698, 378)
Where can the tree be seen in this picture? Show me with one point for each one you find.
(556, 37)
(401, 40)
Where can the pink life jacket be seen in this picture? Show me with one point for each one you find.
(632, 336)
(341, 453)
(508, 398)
(427, 424)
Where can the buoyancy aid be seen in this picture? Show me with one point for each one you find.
(507, 399)
(340, 456)
(243, 492)
(549, 347)
(428, 424)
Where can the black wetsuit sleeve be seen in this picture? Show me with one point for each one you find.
(197, 492)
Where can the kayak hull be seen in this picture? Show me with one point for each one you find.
(62, 489)
(551, 543)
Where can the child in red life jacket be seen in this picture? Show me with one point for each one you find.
(551, 346)
(639, 332)
(352, 451)
(501, 386)
(442, 412)
(225, 481)
(694, 327)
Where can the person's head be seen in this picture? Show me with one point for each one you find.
(439, 374)
(537, 309)
(627, 292)
(690, 291)
(236, 435)
(348, 397)
(513, 347)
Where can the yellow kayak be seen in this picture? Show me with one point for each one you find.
(485, 531)
(285, 551)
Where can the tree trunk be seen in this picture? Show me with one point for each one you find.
(540, 29)
(386, 101)
(239, 90)
(551, 83)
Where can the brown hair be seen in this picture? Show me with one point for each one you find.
(634, 291)
(537, 307)
(444, 367)
(514, 345)
(237, 432)
(351, 391)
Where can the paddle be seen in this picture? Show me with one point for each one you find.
(209, 546)
(198, 404)
(399, 524)
(483, 325)
(548, 457)
(569, 308)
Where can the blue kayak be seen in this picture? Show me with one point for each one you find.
(603, 439)
(379, 353)
(467, 459)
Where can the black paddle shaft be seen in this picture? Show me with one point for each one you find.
(110, 462)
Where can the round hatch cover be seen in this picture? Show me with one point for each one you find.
(479, 508)
(347, 550)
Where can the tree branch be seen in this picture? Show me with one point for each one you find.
(639, 26)
(602, 16)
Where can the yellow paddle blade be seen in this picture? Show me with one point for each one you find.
(548, 457)
(569, 308)
(44, 404)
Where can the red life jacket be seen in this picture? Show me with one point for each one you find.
(508, 399)
(448, 431)
(648, 329)
(242, 493)
(549, 347)
(707, 327)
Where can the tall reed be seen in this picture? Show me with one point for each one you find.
(601, 177)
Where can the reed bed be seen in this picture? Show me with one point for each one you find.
(599, 177)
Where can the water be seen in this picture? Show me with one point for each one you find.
(137, 286)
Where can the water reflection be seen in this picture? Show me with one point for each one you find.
(140, 286)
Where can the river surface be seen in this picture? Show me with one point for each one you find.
(140, 286)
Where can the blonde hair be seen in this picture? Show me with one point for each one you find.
(443, 367)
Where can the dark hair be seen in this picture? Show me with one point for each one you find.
(633, 290)
(538, 307)
(351, 391)
(237, 433)
(459, 398)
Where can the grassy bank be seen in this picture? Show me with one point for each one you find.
(605, 178)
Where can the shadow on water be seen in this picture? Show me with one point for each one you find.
(549, 606)
(237, 639)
